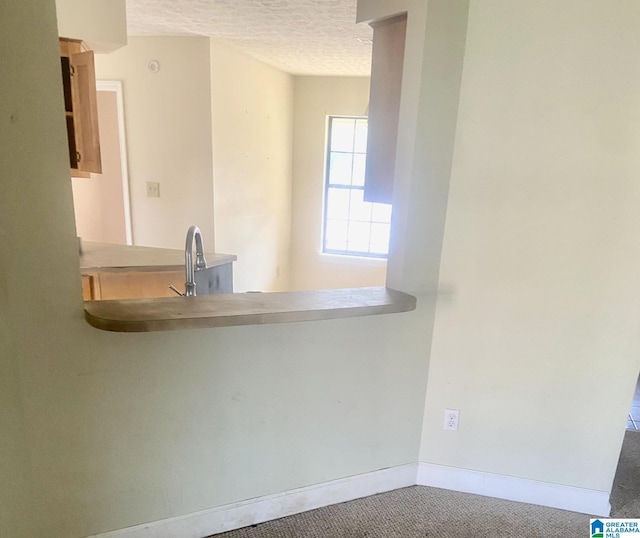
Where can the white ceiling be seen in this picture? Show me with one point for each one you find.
(303, 37)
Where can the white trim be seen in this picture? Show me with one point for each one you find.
(244, 513)
(116, 86)
(252, 511)
(586, 501)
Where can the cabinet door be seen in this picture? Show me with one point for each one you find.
(85, 112)
(90, 289)
(384, 107)
(140, 284)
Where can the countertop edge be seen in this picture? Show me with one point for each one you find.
(113, 258)
(208, 311)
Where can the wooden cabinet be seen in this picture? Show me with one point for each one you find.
(81, 108)
(123, 284)
(130, 284)
(111, 271)
(89, 291)
(384, 107)
(140, 284)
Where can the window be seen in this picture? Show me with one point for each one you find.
(351, 225)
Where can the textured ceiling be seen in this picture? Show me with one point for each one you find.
(304, 37)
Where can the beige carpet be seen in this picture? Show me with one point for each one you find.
(423, 512)
(625, 494)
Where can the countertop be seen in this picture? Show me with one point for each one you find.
(165, 314)
(107, 257)
(175, 313)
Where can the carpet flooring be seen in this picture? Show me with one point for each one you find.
(424, 512)
(625, 494)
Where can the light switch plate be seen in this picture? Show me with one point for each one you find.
(153, 189)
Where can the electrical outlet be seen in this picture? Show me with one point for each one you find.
(451, 419)
(153, 189)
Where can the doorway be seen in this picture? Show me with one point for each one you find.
(633, 419)
(625, 491)
(101, 202)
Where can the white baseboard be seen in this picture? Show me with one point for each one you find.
(250, 512)
(586, 501)
(244, 513)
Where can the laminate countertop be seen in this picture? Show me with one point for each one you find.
(108, 257)
(175, 313)
(166, 314)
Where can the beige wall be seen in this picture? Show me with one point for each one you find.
(100, 23)
(253, 154)
(252, 120)
(212, 120)
(168, 123)
(537, 309)
(103, 430)
(434, 49)
(314, 99)
(537, 343)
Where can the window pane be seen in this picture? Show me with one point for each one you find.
(362, 248)
(335, 237)
(359, 209)
(358, 237)
(381, 212)
(380, 238)
(340, 168)
(352, 226)
(359, 160)
(360, 144)
(379, 249)
(338, 203)
(342, 133)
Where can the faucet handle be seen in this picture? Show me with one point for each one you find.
(173, 288)
(201, 262)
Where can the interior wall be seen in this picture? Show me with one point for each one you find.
(98, 201)
(314, 99)
(252, 117)
(434, 52)
(168, 124)
(36, 220)
(107, 430)
(537, 342)
(16, 499)
(100, 23)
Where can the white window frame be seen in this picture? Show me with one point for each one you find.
(328, 185)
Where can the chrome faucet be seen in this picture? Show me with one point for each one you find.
(189, 266)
